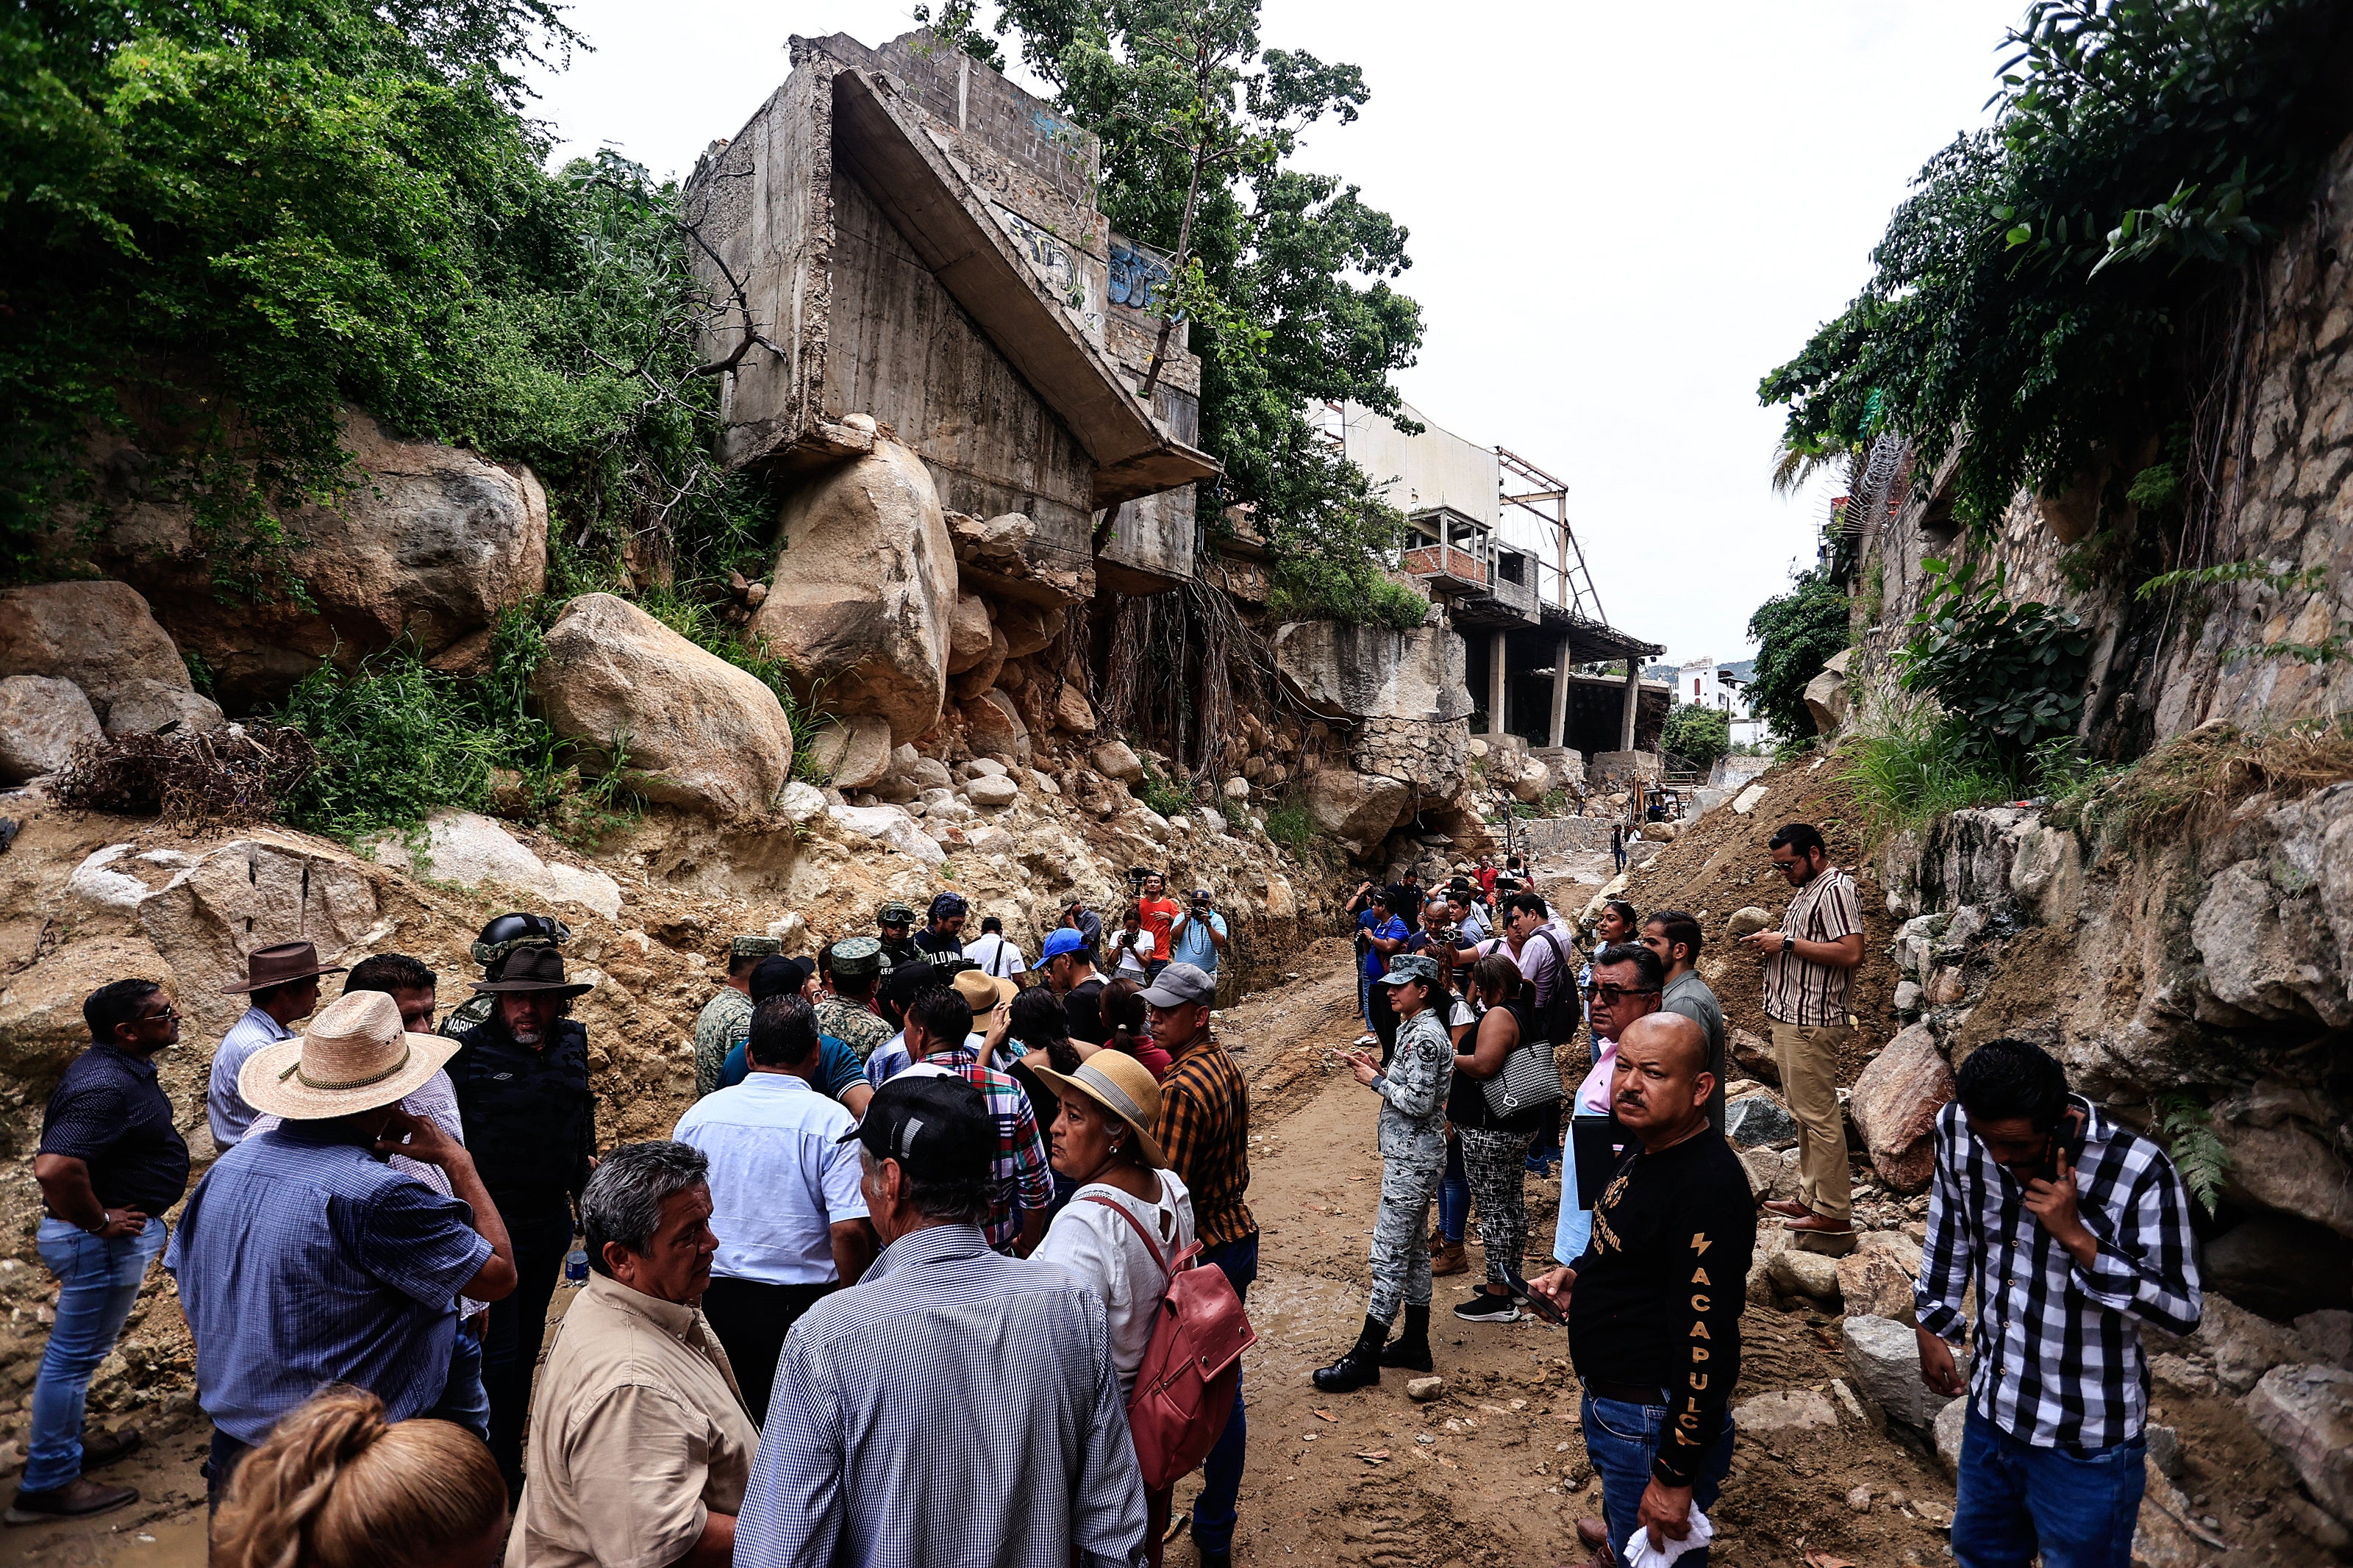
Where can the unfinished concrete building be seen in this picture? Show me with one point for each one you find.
(915, 239)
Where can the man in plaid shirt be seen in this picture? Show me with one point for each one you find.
(939, 1021)
(2074, 1231)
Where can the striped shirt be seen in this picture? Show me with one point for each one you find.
(953, 1406)
(2057, 1345)
(1204, 1130)
(1797, 990)
(1023, 1179)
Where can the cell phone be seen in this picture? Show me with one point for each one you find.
(1536, 1304)
(2068, 1135)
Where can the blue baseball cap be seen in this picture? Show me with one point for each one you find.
(1062, 940)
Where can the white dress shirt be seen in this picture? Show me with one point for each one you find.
(780, 1177)
(996, 956)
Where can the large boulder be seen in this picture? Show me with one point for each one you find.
(1876, 1277)
(42, 719)
(473, 851)
(865, 588)
(2307, 1412)
(144, 707)
(993, 727)
(1027, 626)
(1882, 1356)
(970, 631)
(1895, 1106)
(853, 753)
(1827, 697)
(100, 636)
(1115, 759)
(699, 732)
(1343, 671)
(427, 547)
(1358, 809)
(41, 1027)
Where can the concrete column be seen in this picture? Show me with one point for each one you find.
(1495, 686)
(1633, 700)
(1560, 696)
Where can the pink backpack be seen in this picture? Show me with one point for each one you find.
(1192, 1370)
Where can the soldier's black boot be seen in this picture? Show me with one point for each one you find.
(1361, 1367)
(1410, 1349)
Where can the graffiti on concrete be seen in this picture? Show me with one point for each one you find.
(1137, 277)
(1063, 269)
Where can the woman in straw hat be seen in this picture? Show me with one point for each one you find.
(1102, 1139)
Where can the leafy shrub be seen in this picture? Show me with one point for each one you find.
(1291, 826)
(1697, 733)
(1159, 794)
(1797, 633)
(1918, 767)
(2012, 674)
(396, 742)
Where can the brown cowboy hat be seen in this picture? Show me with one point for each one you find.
(533, 969)
(279, 966)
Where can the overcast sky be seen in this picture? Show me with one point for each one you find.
(1621, 217)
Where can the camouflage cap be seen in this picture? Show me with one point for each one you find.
(894, 914)
(755, 947)
(857, 956)
(1407, 966)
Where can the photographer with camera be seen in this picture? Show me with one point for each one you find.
(1197, 935)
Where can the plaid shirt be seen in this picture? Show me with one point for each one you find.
(2057, 1347)
(1023, 1179)
(1797, 990)
(1204, 1130)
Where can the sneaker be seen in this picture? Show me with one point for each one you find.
(1366, 1041)
(1486, 1308)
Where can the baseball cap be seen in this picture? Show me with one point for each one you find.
(1202, 895)
(1179, 984)
(1407, 966)
(1062, 940)
(938, 1126)
(779, 977)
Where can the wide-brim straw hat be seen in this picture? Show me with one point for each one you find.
(355, 1056)
(984, 991)
(1121, 1085)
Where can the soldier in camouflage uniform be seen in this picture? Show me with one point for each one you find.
(893, 921)
(1413, 1161)
(497, 939)
(845, 1013)
(725, 1020)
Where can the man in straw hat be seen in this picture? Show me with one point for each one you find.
(281, 985)
(522, 1078)
(911, 1407)
(303, 1259)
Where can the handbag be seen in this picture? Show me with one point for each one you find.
(1192, 1370)
(1528, 1080)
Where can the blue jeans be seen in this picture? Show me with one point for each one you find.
(1621, 1440)
(1574, 1227)
(1454, 1194)
(1364, 996)
(98, 1281)
(2073, 1507)
(1221, 1473)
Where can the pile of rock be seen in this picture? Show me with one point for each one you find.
(82, 660)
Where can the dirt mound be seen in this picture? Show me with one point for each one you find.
(1721, 864)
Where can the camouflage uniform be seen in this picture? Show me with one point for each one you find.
(853, 1024)
(724, 1023)
(1413, 1161)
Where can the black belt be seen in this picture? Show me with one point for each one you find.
(1625, 1393)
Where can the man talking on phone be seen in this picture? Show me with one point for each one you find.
(2075, 1231)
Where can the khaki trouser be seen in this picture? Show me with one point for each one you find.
(1808, 1058)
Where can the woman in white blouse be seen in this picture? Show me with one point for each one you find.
(1126, 1193)
(1132, 944)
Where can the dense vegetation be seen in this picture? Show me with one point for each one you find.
(1696, 733)
(2047, 297)
(1797, 633)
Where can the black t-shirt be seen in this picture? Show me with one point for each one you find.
(1661, 1286)
(939, 944)
(109, 1113)
(529, 1120)
(1083, 1006)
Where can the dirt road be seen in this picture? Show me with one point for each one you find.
(1492, 1473)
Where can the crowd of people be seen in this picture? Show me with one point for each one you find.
(884, 1293)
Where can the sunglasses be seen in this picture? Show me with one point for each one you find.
(1613, 995)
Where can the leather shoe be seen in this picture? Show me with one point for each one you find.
(1592, 1534)
(1411, 1354)
(1818, 1225)
(1787, 1208)
(1358, 1369)
(100, 1447)
(78, 1498)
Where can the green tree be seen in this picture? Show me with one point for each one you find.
(1285, 274)
(1797, 633)
(1697, 733)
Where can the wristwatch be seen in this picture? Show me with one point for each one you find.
(1787, 943)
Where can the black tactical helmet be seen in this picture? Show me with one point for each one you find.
(507, 933)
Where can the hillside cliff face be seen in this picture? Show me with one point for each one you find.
(2282, 462)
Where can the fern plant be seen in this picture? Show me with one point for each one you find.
(2188, 1128)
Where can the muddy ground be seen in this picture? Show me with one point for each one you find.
(1494, 1472)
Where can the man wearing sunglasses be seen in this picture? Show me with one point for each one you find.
(1625, 987)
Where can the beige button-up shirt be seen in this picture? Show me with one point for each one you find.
(637, 1434)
